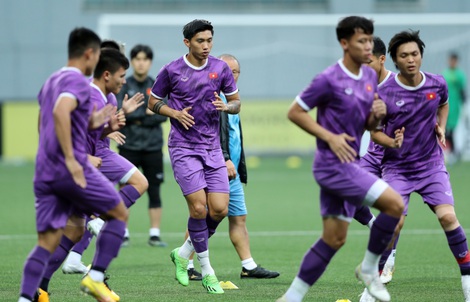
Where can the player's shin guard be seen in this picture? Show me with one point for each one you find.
(458, 245)
(58, 257)
(34, 268)
(108, 243)
(211, 225)
(197, 229)
(315, 262)
(381, 233)
(129, 194)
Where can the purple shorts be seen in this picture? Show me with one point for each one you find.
(197, 169)
(371, 164)
(115, 167)
(56, 201)
(343, 187)
(433, 185)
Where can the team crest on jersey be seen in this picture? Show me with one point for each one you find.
(430, 96)
(213, 75)
(369, 87)
(400, 103)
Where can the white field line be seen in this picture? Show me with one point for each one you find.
(252, 234)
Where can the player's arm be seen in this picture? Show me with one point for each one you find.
(386, 141)
(63, 129)
(231, 107)
(338, 143)
(159, 107)
(442, 114)
(377, 113)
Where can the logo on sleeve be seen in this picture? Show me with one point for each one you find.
(430, 96)
(213, 75)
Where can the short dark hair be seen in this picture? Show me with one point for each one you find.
(110, 60)
(403, 37)
(196, 26)
(454, 55)
(80, 39)
(141, 48)
(347, 27)
(379, 47)
(110, 44)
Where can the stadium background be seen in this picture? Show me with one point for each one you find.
(281, 45)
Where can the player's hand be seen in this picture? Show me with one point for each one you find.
(339, 145)
(186, 119)
(95, 161)
(102, 116)
(379, 109)
(441, 134)
(219, 103)
(130, 105)
(398, 141)
(117, 121)
(76, 170)
(118, 137)
(232, 172)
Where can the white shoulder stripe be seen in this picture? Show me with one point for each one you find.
(231, 93)
(446, 102)
(156, 96)
(302, 103)
(62, 96)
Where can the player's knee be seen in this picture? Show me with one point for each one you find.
(395, 206)
(120, 212)
(447, 220)
(75, 234)
(219, 212)
(139, 182)
(155, 203)
(198, 211)
(336, 242)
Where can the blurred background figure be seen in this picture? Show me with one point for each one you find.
(456, 81)
(144, 137)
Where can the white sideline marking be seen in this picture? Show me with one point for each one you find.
(252, 234)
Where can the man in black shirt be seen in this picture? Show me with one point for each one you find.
(144, 137)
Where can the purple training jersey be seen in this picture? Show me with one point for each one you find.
(372, 160)
(343, 102)
(71, 83)
(414, 108)
(104, 143)
(99, 100)
(189, 86)
(376, 150)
